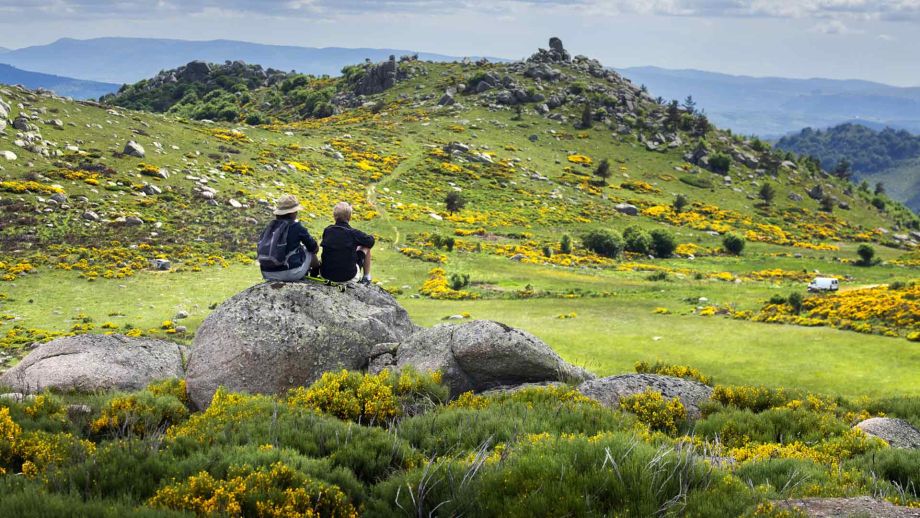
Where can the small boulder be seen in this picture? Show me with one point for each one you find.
(8, 155)
(90, 216)
(626, 208)
(89, 363)
(134, 149)
(161, 265)
(898, 433)
(609, 390)
(276, 335)
(483, 355)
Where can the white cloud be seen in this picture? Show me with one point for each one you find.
(833, 27)
(843, 10)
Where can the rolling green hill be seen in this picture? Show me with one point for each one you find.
(889, 156)
(519, 142)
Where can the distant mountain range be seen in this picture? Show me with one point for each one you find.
(772, 106)
(66, 86)
(126, 60)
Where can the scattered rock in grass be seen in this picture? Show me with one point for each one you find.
(89, 363)
(626, 208)
(275, 336)
(8, 155)
(182, 314)
(898, 433)
(609, 390)
(134, 149)
(90, 216)
(161, 264)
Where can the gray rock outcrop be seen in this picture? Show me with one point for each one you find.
(609, 390)
(482, 355)
(89, 363)
(898, 433)
(377, 77)
(132, 148)
(275, 336)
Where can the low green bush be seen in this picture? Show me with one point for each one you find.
(785, 478)
(474, 420)
(604, 242)
(696, 181)
(611, 474)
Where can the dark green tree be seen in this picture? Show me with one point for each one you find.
(603, 171)
(680, 203)
(454, 201)
(767, 193)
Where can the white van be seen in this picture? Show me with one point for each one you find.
(823, 284)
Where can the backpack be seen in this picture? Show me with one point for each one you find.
(273, 245)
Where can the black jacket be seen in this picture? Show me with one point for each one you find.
(340, 244)
(297, 235)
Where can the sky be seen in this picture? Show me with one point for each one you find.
(841, 39)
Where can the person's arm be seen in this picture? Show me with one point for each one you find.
(308, 241)
(365, 240)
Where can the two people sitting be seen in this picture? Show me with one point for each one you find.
(287, 251)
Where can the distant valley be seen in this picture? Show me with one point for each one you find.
(126, 60)
(65, 86)
(773, 106)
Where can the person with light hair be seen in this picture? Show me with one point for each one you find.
(346, 251)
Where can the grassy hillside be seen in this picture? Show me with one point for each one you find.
(885, 156)
(540, 237)
(81, 225)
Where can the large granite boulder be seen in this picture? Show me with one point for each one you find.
(609, 390)
(275, 336)
(898, 433)
(483, 355)
(89, 363)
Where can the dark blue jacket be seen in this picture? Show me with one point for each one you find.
(297, 236)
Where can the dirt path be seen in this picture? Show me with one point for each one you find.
(862, 506)
(371, 195)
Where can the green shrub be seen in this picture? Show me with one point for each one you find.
(458, 281)
(866, 255)
(663, 243)
(899, 466)
(548, 475)
(796, 301)
(778, 300)
(565, 244)
(696, 181)
(637, 240)
(735, 428)
(720, 163)
(680, 202)
(733, 243)
(658, 276)
(603, 242)
(141, 413)
(755, 399)
(22, 497)
(655, 411)
(785, 478)
(472, 420)
(237, 420)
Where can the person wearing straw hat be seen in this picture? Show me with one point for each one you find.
(287, 251)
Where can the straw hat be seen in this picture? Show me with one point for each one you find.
(286, 205)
